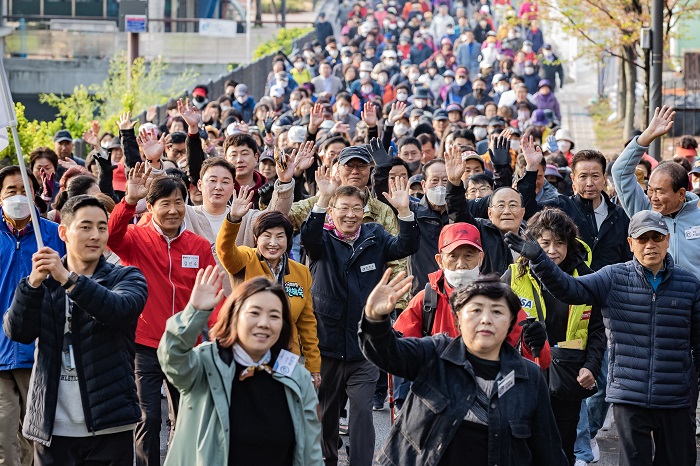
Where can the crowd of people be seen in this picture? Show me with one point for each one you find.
(403, 208)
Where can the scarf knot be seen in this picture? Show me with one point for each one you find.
(330, 226)
(251, 367)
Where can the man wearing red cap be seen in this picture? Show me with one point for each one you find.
(459, 259)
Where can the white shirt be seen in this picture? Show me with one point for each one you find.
(215, 221)
(601, 212)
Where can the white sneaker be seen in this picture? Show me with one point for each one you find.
(580, 463)
(595, 450)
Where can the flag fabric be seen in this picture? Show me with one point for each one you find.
(7, 108)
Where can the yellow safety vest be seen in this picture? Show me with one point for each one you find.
(526, 287)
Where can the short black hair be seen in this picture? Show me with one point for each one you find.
(464, 134)
(15, 170)
(424, 170)
(272, 219)
(217, 162)
(481, 179)
(397, 162)
(74, 204)
(491, 287)
(164, 187)
(76, 186)
(240, 139)
(588, 155)
(408, 141)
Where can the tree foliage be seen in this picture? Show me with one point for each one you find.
(283, 41)
(103, 102)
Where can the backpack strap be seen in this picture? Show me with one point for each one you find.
(430, 302)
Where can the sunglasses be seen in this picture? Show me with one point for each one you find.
(655, 237)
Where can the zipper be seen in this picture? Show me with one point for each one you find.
(651, 346)
(170, 276)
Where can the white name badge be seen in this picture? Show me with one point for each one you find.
(692, 233)
(286, 361)
(506, 383)
(367, 268)
(190, 262)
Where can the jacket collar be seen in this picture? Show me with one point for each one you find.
(101, 271)
(668, 267)
(183, 228)
(456, 353)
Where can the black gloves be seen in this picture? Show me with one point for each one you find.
(380, 156)
(500, 155)
(528, 248)
(534, 335)
(268, 122)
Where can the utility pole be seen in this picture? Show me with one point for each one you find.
(657, 63)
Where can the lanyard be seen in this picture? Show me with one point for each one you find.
(68, 356)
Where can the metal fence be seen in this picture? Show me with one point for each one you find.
(684, 97)
(254, 75)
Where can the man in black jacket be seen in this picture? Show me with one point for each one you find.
(602, 224)
(83, 311)
(347, 260)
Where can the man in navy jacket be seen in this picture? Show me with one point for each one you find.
(651, 308)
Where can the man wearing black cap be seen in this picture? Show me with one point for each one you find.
(440, 122)
(63, 146)
(551, 67)
(651, 307)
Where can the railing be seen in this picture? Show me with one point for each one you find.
(254, 75)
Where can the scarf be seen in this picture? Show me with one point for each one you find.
(244, 359)
(330, 226)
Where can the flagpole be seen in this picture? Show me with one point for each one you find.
(28, 188)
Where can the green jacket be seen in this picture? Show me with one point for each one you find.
(204, 381)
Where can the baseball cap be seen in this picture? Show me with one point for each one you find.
(647, 220)
(62, 135)
(267, 155)
(354, 152)
(454, 235)
(454, 108)
(415, 179)
(178, 137)
(297, 134)
(461, 72)
(199, 91)
(471, 155)
(276, 91)
(440, 115)
(696, 167)
(240, 90)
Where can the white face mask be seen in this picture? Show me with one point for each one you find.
(437, 195)
(364, 74)
(367, 89)
(346, 60)
(241, 99)
(461, 81)
(414, 123)
(294, 104)
(696, 184)
(480, 133)
(381, 79)
(420, 103)
(342, 111)
(401, 97)
(299, 65)
(400, 129)
(515, 145)
(458, 278)
(564, 146)
(16, 207)
(440, 63)
(414, 76)
(390, 62)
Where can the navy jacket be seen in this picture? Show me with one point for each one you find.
(344, 276)
(522, 429)
(651, 334)
(106, 308)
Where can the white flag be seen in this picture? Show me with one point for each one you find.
(7, 108)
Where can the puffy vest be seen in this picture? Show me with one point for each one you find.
(526, 287)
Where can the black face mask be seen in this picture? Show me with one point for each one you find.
(418, 195)
(479, 92)
(199, 98)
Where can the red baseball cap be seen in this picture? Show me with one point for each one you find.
(458, 234)
(199, 91)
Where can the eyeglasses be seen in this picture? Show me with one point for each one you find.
(502, 207)
(483, 190)
(356, 166)
(345, 210)
(655, 237)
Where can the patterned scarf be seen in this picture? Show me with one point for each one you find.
(330, 226)
(244, 359)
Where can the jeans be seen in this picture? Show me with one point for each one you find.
(594, 410)
(149, 380)
(15, 450)
(358, 380)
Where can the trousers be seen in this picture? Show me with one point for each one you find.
(15, 450)
(100, 450)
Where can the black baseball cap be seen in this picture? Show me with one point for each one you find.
(647, 220)
(354, 152)
(62, 135)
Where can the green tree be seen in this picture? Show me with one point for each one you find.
(284, 40)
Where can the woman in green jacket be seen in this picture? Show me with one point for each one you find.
(244, 399)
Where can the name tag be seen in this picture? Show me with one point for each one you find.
(692, 233)
(190, 262)
(506, 383)
(367, 268)
(571, 344)
(286, 361)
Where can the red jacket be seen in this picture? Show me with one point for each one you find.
(410, 322)
(161, 261)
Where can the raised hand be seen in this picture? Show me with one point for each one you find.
(285, 170)
(190, 114)
(305, 157)
(137, 183)
(241, 204)
(454, 166)
(48, 183)
(397, 111)
(552, 143)
(369, 115)
(315, 118)
(501, 151)
(207, 291)
(658, 126)
(269, 121)
(67, 162)
(91, 138)
(340, 128)
(399, 197)
(152, 146)
(326, 185)
(95, 127)
(382, 300)
(527, 247)
(380, 156)
(532, 153)
(125, 122)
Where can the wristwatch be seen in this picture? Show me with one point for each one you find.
(72, 280)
